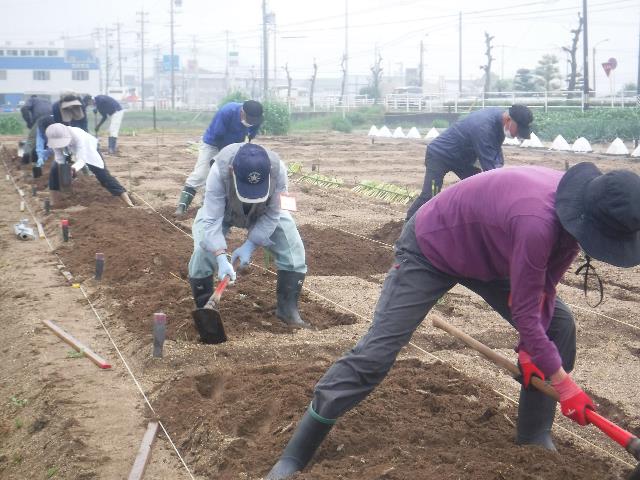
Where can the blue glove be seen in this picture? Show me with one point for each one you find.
(225, 268)
(243, 252)
(40, 162)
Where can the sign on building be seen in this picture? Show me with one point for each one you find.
(166, 63)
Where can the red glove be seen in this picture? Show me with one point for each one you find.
(573, 400)
(528, 368)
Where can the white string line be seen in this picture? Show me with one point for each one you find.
(560, 427)
(165, 218)
(594, 312)
(135, 380)
(112, 342)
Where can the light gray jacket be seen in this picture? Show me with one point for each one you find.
(222, 208)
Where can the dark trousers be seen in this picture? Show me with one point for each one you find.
(412, 287)
(103, 176)
(436, 169)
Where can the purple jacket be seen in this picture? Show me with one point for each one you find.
(502, 224)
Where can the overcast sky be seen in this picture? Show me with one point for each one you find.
(524, 30)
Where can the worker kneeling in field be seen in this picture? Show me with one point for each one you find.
(244, 189)
(477, 137)
(72, 141)
(509, 235)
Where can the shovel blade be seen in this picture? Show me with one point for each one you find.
(209, 325)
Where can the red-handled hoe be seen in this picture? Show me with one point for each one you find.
(207, 319)
(629, 441)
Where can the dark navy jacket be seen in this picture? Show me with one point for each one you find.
(82, 123)
(34, 108)
(477, 136)
(106, 105)
(226, 127)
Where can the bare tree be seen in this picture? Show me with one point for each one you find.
(286, 69)
(344, 77)
(313, 82)
(487, 68)
(376, 76)
(572, 53)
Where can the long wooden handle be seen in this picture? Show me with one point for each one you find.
(628, 440)
(494, 356)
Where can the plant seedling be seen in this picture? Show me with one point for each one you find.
(18, 402)
(74, 354)
(19, 423)
(51, 471)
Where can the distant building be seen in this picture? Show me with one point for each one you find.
(46, 71)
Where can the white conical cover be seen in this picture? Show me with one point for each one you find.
(384, 132)
(413, 133)
(581, 145)
(636, 152)
(533, 142)
(559, 143)
(373, 131)
(398, 133)
(431, 134)
(511, 141)
(617, 147)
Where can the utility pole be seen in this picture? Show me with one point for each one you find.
(106, 61)
(275, 58)
(265, 52)
(142, 21)
(460, 52)
(585, 54)
(226, 62)
(97, 35)
(346, 49)
(120, 84)
(173, 67)
(194, 50)
(638, 81)
(421, 69)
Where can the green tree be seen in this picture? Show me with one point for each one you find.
(503, 85)
(549, 72)
(234, 96)
(526, 81)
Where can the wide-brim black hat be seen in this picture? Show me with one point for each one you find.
(602, 212)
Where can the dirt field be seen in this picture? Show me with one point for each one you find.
(442, 413)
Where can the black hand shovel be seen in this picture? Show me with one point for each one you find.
(208, 320)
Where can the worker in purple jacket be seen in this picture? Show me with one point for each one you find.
(477, 138)
(234, 123)
(509, 235)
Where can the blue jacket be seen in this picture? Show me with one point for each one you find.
(226, 127)
(477, 136)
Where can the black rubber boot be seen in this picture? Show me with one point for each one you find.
(186, 196)
(288, 289)
(202, 289)
(303, 444)
(536, 412)
(113, 142)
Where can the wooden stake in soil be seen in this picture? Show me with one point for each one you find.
(99, 266)
(144, 453)
(65, 229)
(77, 345)
(47, 206)
(159, 332)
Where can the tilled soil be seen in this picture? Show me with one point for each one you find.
(231, 408)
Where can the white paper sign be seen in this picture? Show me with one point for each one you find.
(287, 202)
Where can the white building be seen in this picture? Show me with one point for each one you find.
(46, 71)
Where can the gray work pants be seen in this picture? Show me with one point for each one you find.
(436, 169)
(412, 287)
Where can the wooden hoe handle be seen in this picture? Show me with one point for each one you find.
(629, 441)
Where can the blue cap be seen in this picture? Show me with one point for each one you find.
(251, 168)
